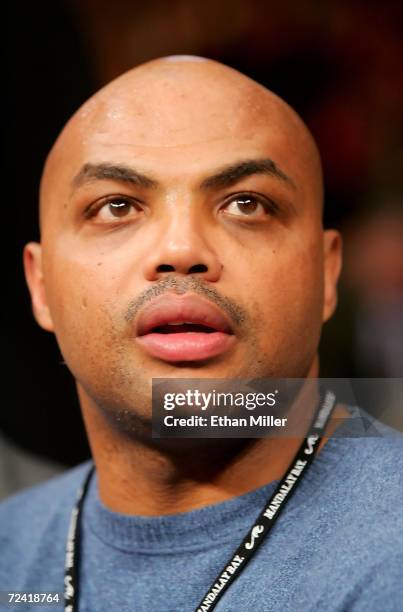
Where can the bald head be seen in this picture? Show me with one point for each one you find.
(183, 102)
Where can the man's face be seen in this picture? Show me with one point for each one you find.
(170, 210)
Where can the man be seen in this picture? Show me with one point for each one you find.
(184, 195)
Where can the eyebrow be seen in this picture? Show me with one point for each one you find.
(224, 177)
(235, 172)
(115, 172)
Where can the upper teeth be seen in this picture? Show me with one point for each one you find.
(180, 323)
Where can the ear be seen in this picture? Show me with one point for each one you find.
(34, 277)
(332, 258)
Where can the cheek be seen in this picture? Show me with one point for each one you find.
(284, 288)
(82, 295)
(81, 276)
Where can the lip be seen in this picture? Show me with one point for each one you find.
(183, 346)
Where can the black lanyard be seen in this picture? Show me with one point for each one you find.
(254, 538)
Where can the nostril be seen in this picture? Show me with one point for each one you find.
(165, 268)
(198, 268)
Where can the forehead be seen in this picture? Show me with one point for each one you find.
(178, 125)
(193, 135)
(177, 112)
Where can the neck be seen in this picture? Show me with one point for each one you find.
(136, 478)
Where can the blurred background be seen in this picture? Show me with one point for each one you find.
(339, 64)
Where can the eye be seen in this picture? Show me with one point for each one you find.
(248, 205)
(113, 208)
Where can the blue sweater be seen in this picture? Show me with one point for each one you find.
(337, 546)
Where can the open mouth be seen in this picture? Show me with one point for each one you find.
(185, 328)
(182, 328)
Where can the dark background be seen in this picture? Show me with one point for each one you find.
(339, 64)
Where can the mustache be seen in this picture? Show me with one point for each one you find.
(180, 286)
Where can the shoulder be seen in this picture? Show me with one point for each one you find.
(372, 450)
(350, 527)
(32, 519)
(366, 442)
(19, 468)
(368, 463)
(364, 488)
(44, 497)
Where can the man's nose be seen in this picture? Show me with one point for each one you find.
(182, 248)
